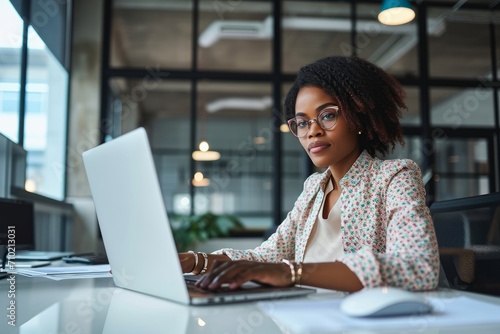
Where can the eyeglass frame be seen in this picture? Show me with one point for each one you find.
(315, 119)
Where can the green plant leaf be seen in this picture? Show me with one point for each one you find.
(196, 228)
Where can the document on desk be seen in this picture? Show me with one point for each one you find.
(67, 272)
(309, 316)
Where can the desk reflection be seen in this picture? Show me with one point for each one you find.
(132, 312)
(91, 306)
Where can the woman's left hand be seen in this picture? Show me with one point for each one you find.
(238, 272)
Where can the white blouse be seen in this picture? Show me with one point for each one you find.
(325, 240)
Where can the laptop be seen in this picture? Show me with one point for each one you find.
(136, 230)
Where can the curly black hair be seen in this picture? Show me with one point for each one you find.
(370, 100)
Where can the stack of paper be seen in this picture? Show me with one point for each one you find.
(68, 272)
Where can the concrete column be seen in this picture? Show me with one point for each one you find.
(84, 113)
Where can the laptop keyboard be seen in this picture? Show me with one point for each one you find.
(193, 288)
(249, 291)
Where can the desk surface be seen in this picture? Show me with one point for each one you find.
(97, 306)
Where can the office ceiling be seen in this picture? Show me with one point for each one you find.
(237, 36)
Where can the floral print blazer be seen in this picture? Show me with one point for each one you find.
(387, 232)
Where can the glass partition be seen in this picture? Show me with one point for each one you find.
(294, 162)
(235, 35)
(152, 34)
(233, 117)
(463, 36)
(461, 107)
(462, 168)
(235, 120)
(313, 30)
(163, 108)
(393, 48)
(411, 116)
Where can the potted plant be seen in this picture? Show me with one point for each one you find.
(198, 228)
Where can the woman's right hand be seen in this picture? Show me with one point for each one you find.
(187, 262)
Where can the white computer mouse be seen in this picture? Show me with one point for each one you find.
(384, 301)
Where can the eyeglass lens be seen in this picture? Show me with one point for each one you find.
(326, 119)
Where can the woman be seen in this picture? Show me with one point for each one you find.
(361, 223)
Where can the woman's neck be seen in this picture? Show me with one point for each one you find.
(342, 167)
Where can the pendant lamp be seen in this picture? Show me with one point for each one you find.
(204, 153)
(396, 12)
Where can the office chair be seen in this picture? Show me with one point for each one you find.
(454, 240)
(270, 231)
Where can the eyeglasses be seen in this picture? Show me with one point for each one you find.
(327, 118)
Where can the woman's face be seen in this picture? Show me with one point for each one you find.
(337, 147)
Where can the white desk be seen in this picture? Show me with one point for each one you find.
(97, 306)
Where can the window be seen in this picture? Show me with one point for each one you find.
(10, 99)
(45, 120)
(11, 32)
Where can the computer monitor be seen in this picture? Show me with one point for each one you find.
(12, 166)
(20, 215)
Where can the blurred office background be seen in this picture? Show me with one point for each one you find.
(77, 73)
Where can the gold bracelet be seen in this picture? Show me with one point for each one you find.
(299, 272)
(195, 260)
(292, 269)
(205, 263)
